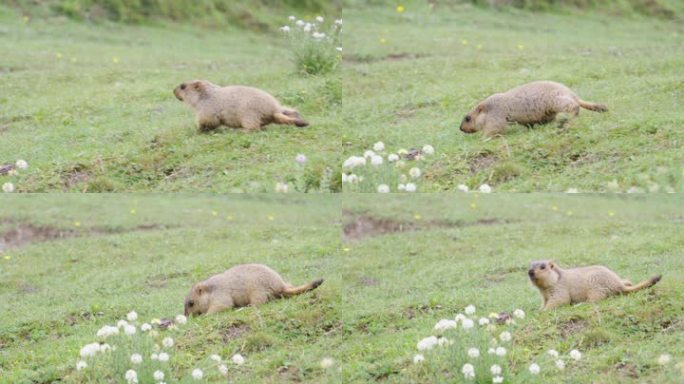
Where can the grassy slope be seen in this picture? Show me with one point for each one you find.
(381, 294)
(84, 122)
(632, 65)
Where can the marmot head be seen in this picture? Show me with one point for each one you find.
(472, 122)
(543, 273)
(192, 91)
(197, 300)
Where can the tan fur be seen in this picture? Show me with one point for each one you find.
(559, 286)
(241, 285)
(235, 106)
(538, 102)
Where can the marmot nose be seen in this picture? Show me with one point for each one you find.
(531, 272)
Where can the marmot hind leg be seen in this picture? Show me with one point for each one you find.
(257, 298)
(251, 123)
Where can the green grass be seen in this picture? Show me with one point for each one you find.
(381, 295)
(91, 108)
(409, 78)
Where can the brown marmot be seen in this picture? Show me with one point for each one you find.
(560, 286)
(235, 106)
(241, 285)
(538, 102)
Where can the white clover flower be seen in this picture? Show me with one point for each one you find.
(216, 358)
(121, 323)
(519, 313)
(467, 323)
(442, 341)
(354, 161)
(163, 357)
(105, 348)
(319, 19)
(495, 369)
(392, 157)
(505, 336)
(107, 331)
(560, 364)
(292, 18)
(281, 187)
(491, 351)
(154, 356)
(418, 358)
(132, 316)
(445, 324)
(21, 164)
(485, 188)
(500, 351)
(411, 187)
(383, 188)
(553, 353)
(427, 343)
(368, 154)
(181, 319)
(8, 187)
(414, 172)
(664, 359)
(136, 358)
(575, 354)
(318, 35)
(158, 375)
(285, 28)
(401, 187)
(483, 321)
(469, 310)
(145, 327)
(197, 374)
(497, 379)
(379, 146)
(534, 368)
(428, 149)
(131, 377)
(376, 160)
(307, 27)
(338, 49)
(90, 349)
(238, 359)
(327, 362)
(81, 365)
(129, 330)
(167, 342)
(300, 158)
(300, 23)
(338, 22)
(223, 369)
(473, 353)
(462, 188)
(351, 179)
(468, 371)
(459, 317)
(572, 190)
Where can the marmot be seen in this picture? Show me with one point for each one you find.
(560, 286)
(534, 103)
(235, 106)
(241, 285)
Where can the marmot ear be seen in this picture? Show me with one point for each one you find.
(201, 288)
(198, 85)
(479, 109)
(552, 265)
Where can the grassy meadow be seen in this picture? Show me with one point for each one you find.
(392, 267)
(89, 105)
(411, 73)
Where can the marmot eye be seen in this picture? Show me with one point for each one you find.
(542, 267)
(182, 86)
(467, 119)
(191, 303)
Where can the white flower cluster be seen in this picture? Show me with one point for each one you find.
(8, 187)
(313, 27)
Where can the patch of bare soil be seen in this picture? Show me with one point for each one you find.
(482, 161)
(234, 331)
(627, 369)
(390, 57)
(571, 327)
(75, 176)
(359, 226)
(289, 373)
(499, 274)
(24, 234)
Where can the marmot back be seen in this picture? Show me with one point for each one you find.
(239, 286)
(234, 106)
(560, 286)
